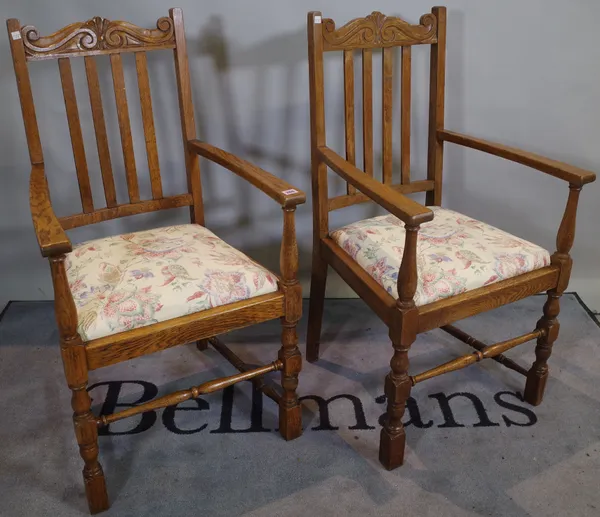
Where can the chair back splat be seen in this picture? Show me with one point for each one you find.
(379, 34)
(90, 40)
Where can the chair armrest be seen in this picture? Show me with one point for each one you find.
(404, 208)
(50, 234)
(281, 191)
(574, 175)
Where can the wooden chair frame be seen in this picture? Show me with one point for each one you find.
(403, 318)
(102, 37)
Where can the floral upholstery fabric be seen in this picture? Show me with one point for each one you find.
(455, 253)
(132, 280)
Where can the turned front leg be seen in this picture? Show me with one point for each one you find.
(290, 414)
(537, 376)
(403, 332)
(75, 366)
(397, 391)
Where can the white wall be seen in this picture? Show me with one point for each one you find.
(524, 73)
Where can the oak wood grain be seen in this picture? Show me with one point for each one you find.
(267, 388)
(363, 284)
(85, 189)
(52, 239)
(72, 351)
(185, 329)
(177, 397)
(478, 345)
(449, 310)
(407, 276)
(97, 53)
(17, 50)
(338, 202)
(403, 333)
(186, 111)
(141, 64)
(99, 36)
(387, 72)
(116, 64)
(403, 318)
(319, 185)
(317, 125)
(104, 214)
(393, 201)
(277, 189)
(367, 90)
(486, 352)
(108, 179)
(349, 123)
(537, 376)
(405, 117)
(563, 171)
(437, 82)
(378, 31)
(290, 411)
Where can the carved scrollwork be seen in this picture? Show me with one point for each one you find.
(378, 30)
(96, 34)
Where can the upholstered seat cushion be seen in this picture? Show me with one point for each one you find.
(132, 280)
(455, 253)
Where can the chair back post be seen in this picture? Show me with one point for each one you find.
(17, 50)
(437, 81)
(186, 108)
(317, 126)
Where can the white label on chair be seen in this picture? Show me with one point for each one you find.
(15, 35)
(290, 191)
(317, 19)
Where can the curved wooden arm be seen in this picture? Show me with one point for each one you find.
(404, 208)
(281, 191)
(574, 175)
(50, 234)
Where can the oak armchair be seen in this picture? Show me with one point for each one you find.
(421, 267)
(130, 295)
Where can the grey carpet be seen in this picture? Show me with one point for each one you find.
(483, 452)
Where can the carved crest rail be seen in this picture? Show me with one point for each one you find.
(377, 31)
(96, 36)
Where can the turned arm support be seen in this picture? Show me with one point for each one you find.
(413, 214)
(574, 175)
(50, 234)
(288, 264)
(404, 208)
(279, 190)
(565, 238)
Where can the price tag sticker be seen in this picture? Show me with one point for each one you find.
(290, 191)
(15, 35)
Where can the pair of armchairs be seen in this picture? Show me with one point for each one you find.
(419, 268)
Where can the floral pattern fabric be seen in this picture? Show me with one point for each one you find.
(455, 253)
(127, 281)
